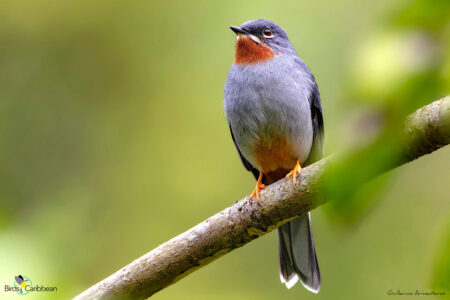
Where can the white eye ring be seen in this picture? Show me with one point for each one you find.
(267, 33)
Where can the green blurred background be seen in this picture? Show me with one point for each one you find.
(113, 140)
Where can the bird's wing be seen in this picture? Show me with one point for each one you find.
(316, 151)
(248, 166)
(19, 279)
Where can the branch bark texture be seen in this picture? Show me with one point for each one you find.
(427, 130)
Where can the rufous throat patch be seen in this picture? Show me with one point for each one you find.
(247, 51)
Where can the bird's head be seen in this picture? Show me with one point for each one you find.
(259, 40)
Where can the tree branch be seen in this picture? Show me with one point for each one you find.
(427, 130)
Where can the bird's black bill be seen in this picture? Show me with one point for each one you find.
(238, 30)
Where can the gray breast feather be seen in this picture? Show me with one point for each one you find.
(270, 97)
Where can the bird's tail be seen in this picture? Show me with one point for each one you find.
(297, 254)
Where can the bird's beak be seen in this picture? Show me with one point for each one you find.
(242, 33)
(238, 30)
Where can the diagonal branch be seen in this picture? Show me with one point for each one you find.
(427, 130)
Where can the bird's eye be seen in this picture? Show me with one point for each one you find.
(267, 33)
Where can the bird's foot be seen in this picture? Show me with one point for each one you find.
(295, 172)
(256, 191)
(259, 186)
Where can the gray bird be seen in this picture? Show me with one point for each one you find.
(21, 282)
(273, 108)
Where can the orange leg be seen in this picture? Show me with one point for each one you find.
(294, 172)
(259, 186)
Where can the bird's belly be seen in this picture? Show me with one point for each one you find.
(269, 114)
(273, 143)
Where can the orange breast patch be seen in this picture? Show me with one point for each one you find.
(247, 51)
(276, 154)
